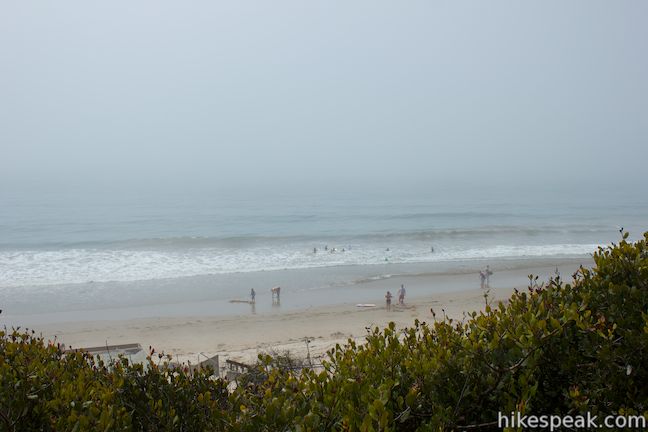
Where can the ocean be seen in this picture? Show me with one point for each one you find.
(60, 254)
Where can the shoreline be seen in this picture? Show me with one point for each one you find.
(241, 336)
(211, 294)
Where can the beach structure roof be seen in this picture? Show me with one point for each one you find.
(109, 353)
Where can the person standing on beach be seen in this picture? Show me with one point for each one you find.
(482, 277)
(488, 274)
(388, 298)
(253, 295)
(401, 295)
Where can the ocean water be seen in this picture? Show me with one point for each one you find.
(54, 242)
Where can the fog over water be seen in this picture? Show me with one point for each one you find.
(290, 97)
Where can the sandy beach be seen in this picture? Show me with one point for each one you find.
(244, 335)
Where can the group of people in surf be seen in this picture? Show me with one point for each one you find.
(331, 250)
(334, 249)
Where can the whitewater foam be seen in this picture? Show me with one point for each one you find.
(70, 266)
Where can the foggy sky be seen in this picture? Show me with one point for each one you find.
(316, 94)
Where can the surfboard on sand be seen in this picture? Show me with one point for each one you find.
(363, 305)
(241, 301)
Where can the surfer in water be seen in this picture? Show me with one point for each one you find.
(253, 295)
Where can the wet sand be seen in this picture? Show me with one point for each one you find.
(246, 332)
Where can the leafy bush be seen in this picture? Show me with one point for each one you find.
(557, 348)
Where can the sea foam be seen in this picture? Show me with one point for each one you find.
(69, 266)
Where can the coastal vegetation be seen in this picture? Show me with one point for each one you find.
(556, 348)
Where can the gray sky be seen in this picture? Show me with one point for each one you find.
(214, 94)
